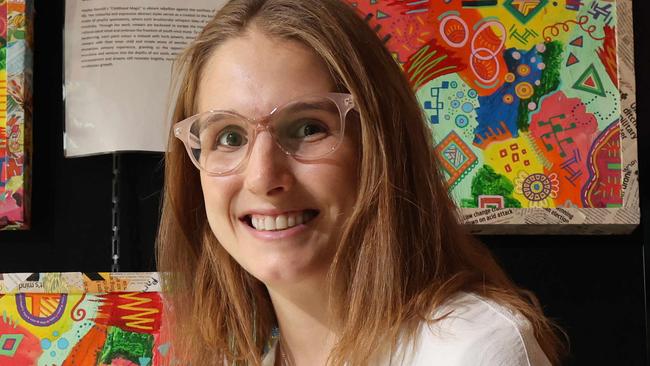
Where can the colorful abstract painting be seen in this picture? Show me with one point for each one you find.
(15, 114)
(81, 319)
(522, 97)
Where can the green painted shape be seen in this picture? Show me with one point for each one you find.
(614, 166)
(128, 345)
(590, 72)
(372, 2)
(382, 15)
(524, 18)
(17, 338)
(488, 182)
(3, 58)
(548, 82)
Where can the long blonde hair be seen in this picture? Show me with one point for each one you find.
(402, 252)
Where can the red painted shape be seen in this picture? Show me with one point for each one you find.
(132, 311)
(572, 60)
(430, 62)
(27, 351)
(607, 54)
(578, 42)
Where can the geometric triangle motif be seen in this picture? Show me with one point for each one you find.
(524, 10)
(572, 60)
(382, 15)
(576, 42)
(163, 349)
(590, 82)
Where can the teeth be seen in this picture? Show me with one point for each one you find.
(269, 223)
(280, 222)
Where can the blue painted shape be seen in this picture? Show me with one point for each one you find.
(493, 115)
(435, 105)
(62, 343)
(163, 349)
(3, 181)
(46, 344)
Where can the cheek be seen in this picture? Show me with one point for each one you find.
(218, 195)
(339, 181)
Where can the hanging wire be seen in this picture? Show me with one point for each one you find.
(115, 209)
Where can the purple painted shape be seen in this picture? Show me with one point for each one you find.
(21, 305)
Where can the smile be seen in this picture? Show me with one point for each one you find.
(279, 222)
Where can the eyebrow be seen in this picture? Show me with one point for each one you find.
(320, 105)
(296, 106)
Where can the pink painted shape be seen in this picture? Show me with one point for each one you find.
(121, 362)
(8, 208)
(572, 131)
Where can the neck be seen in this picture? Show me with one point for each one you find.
(306, 333)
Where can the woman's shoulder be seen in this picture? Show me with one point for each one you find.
(477, 331)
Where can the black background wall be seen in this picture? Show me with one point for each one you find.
(592, 285)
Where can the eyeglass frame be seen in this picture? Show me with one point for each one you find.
(343, 101)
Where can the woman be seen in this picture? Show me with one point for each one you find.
(317, 228)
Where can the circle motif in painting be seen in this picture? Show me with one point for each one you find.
(536, 187)
(508, 99)
(523, 70)
(462, 121)
(510, 77)
(524, 90)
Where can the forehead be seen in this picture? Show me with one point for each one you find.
(254, 73)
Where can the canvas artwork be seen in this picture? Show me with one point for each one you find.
(525, 104)
(81, 319)
(15, 112)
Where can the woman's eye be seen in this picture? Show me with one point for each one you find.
(231, 139)
(310, 128)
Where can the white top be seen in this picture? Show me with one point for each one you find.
(478, 332)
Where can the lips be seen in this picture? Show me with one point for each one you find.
(278, 222)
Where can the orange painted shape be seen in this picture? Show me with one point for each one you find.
(85, 352)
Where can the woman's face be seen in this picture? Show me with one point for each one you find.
(251, 75)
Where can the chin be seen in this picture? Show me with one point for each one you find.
(283, 271)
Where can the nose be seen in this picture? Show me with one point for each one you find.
(268, 172)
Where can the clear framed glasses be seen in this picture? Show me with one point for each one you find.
(308, 128)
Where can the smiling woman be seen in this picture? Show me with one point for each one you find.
(305, 219)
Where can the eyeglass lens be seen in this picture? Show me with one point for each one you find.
(307, 129)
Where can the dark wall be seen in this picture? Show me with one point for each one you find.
(593, 286)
